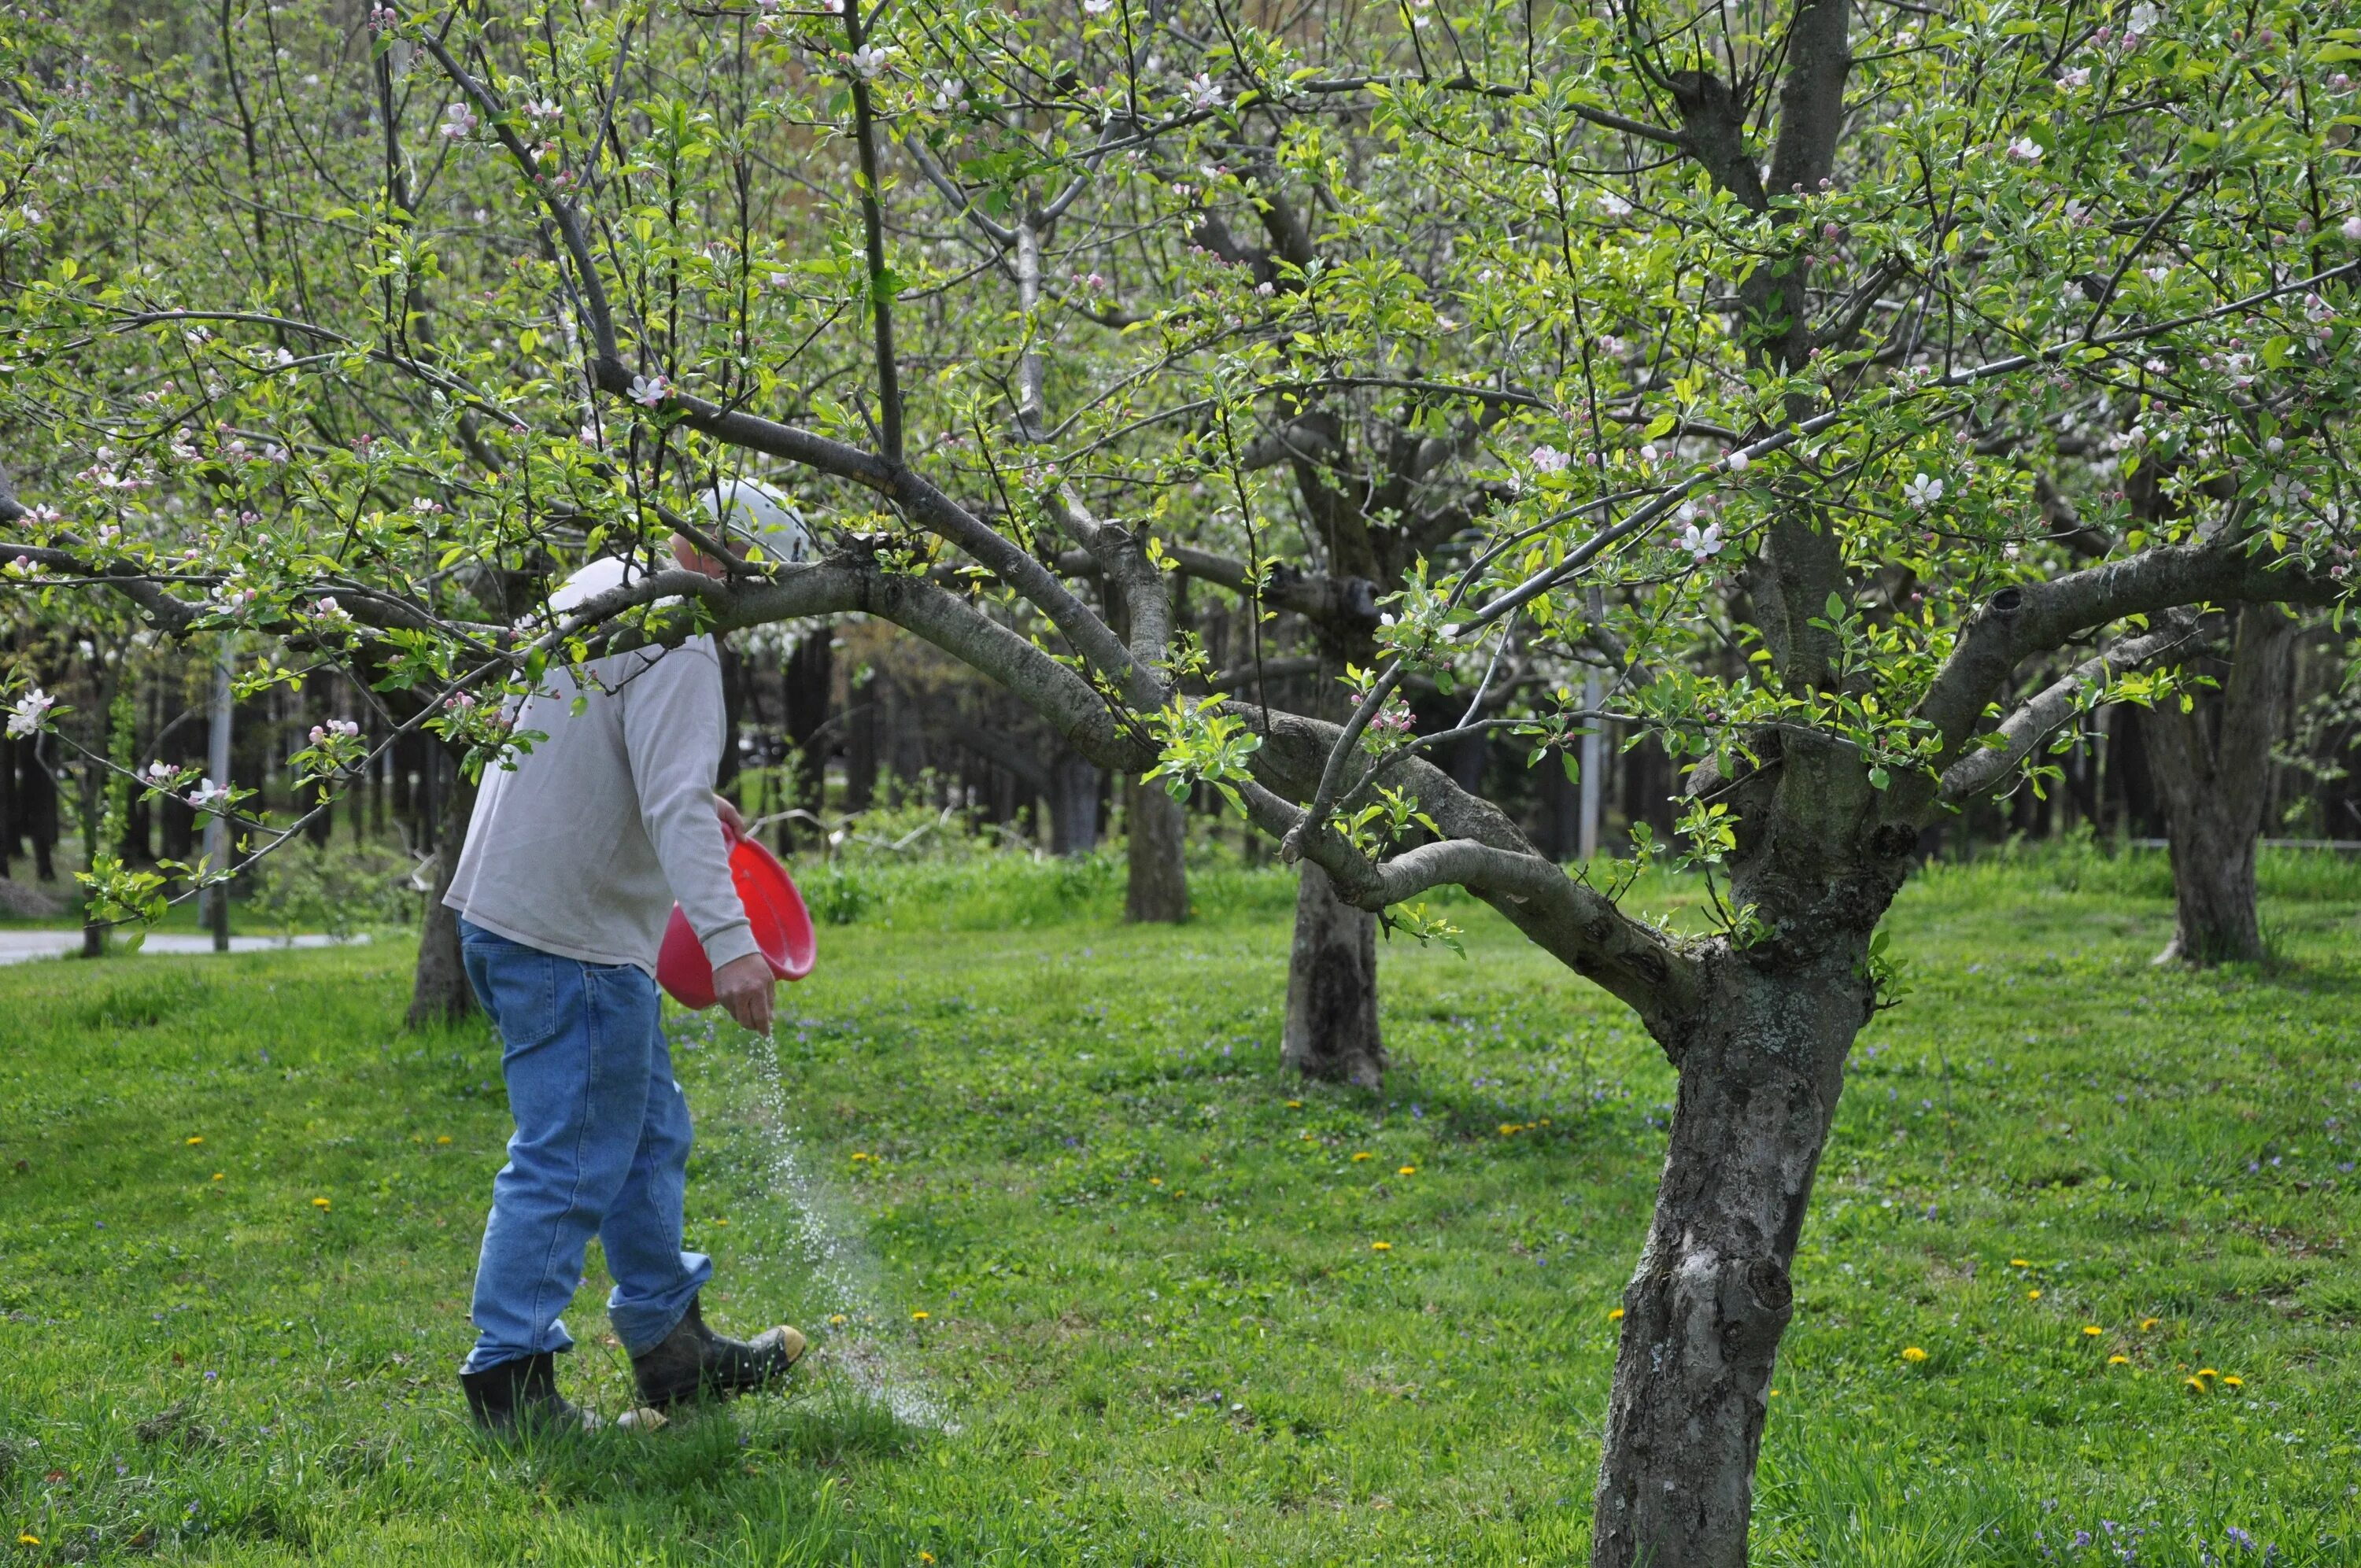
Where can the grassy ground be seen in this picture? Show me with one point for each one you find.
(1139, 1300)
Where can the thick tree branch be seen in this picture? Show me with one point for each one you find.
(2018, 623)
(2013, 740)
(1483, 851)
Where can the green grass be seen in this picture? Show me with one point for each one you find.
(1156, 1323)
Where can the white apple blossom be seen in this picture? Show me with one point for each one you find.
(2350, 228)
(1739, 461)
(650, 390)
(2025, 150)
(869, 61)
(1702, 544)
(1205, 93)
(31, 712)
(1923, 492)
(209, 796)
(2075, 80)
(1550, 460)
(458, 121)
(2144, 19)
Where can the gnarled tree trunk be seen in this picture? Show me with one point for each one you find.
(1159, 871)
(2212, 766)
(439, 992)
(1332, 988)
(1759, 1073)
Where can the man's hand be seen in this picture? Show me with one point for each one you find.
(729, 814)
(746, 987)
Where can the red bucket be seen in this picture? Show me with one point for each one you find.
(782, 927)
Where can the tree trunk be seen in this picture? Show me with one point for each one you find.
(439, 993)
(1332, 988)
(1331, 1029)
(2212, 766)
(1759, 1073)
(807, 684)
(1158, 830)
(39, 805)
(1073, 806)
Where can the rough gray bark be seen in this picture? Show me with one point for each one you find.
(2211, 767)
(439, 993)
(1703, 1315)
(1332, 988)
(1157, 890)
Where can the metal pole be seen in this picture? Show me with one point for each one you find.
(217, 825)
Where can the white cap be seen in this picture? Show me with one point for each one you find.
(751, 510)
(604, 572)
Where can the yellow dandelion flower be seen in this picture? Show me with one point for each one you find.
(2018, 1263)
(195, 1142)
(217, 1174)
(1775, 1393)
(1407, 1170)
(1913, 1354)
(1362, 1156)
(920, 1317)
(858, 1155)
(2194, 1385)
(2207, 1372)
(2147, 1323)
(2033, 1295)
(319, 1203)
(1292, 1105)
(1615, 1315)
(2119, 1360)
(1508, 1128)
(926, 1557)
(2091, 1330)
(2234, 1381)
(836, 1317)
(25, 1538)
(444, 1139)
(1381, 1246)
(718, 1220)
(1156, 1182)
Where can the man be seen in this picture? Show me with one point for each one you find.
(572, 863)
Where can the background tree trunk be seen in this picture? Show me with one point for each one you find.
(439, 993)
(1703, 1315)
(1158, 829)
(1331, 1029)
(1332, 988)
(808, 686)
(2212, 766)
(1073, 806)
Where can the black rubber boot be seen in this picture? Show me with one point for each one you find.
(522, 1393)
(693, 1360)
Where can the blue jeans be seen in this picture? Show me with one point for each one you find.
(601, 1149)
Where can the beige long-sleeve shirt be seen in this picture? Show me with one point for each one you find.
(582, 847)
